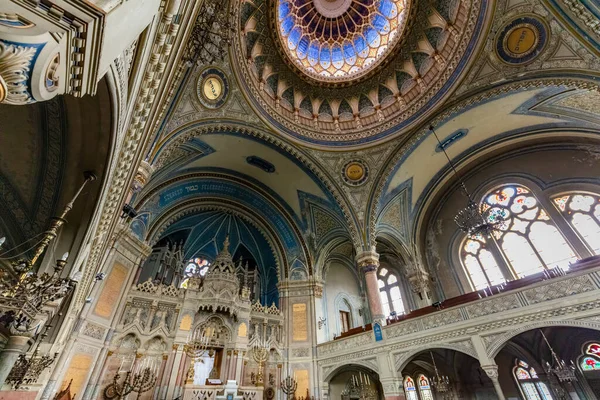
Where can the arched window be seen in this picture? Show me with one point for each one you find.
(582, 211)
(480, 264)
(530, 384)
(389, 291)
(527, 239)
(424, 388)
(410, 389)
(195, 267)
(590, 360)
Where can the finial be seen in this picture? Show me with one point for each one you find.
(226, 243)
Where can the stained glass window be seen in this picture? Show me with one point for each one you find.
(410, 389)
(582, 211)
(590, 364)
(424, 388)
(480, 264)
(590, 361)
(195, 267)
(531, 386)
(389, 292)
(527, 239)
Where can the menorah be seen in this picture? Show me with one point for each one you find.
(289, 386)
(260, 355)
(137, 382)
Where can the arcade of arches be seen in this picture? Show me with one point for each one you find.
(300, 199)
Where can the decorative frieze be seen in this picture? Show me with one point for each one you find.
(557, 290)
(94, 331)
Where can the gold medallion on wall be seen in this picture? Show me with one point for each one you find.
(355, 172)
(212, 88)
(521, 40)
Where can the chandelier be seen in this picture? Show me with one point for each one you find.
(27, 370)
(360, 386)
(441, 383)
(24, 293)
(471, 220)
(211, 34)
(563, 371)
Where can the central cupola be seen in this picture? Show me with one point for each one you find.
(335, 41)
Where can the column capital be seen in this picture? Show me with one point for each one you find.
(392, 387)
(491, 371)
(368, 260)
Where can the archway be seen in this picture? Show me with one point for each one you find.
(462, 372)
(350, 381)
(528, 368)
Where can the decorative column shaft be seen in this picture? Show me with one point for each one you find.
(492, 372)
(368, 263)
(15, 346)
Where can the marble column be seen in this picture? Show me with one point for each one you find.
(368, 263)
(492, 372)
(15, 346)
(174, 371)
(239, 368)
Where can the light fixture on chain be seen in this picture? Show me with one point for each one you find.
(563, 371)
(360, 387)
(211, 34)
(22, 291)
(471, 219)
(441, 383)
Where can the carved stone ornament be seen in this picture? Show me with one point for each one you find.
(491, 371)
(15, 69)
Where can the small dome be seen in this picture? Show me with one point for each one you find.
(339, 40)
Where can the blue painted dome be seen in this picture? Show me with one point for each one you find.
(339, 40)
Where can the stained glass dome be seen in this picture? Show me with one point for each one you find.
(340, 40)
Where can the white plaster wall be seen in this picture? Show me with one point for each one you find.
(340, 283)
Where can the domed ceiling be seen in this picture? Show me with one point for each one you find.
(339, 40)
(345, 73)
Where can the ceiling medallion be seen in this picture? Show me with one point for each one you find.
(332, 41)
(521, 40)
(212, 88)
(355, 172)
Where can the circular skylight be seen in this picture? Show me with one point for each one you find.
(339, 40)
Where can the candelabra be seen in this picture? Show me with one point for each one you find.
(563, 371)
(289, 386)
(139, 382)
(470, 219)
(23, 293)
(441, 384)
(260, 355)
(211, 34)
(28, 369)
